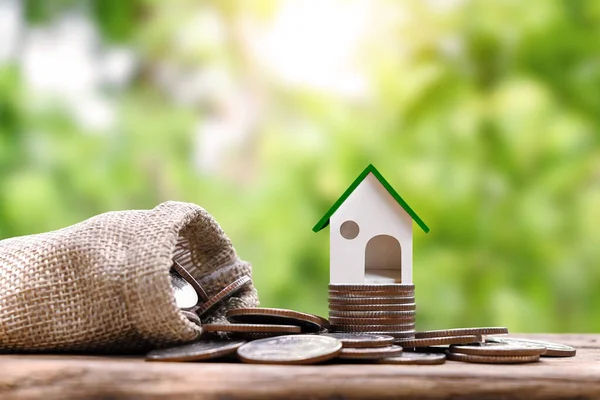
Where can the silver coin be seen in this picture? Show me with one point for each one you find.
(368, 287)
(498, 349)
(372, 353)
(492, 359)
(552, 349)
(201, 350)
(372, 314)
(341, 300)
(357, 340)
(297, 349)
(177, 267)
(415, 359)
(185, 294)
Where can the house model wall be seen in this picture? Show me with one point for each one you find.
(370, 233)
(382, 250)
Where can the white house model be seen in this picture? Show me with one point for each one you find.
(371, 233)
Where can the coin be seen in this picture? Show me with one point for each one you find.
(461, 332)
(365, 295)
(466, 339)
(371, 314)
(552, 349)
(371, 293)
(253, 328)
(373, 353)
(192, 317)
(357, 340)
(498, 349)
(228, 291)
(185, 295)
(309, 322)
(492, 359)
(340, 300)
(396, 334)
(372, 307)
(415, 359)
(257, 335)
(296, 349)
(371, 328)
(372, 321)
(190, 279)
(201, 350)
(392, 287)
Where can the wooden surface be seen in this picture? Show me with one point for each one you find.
(77, 377)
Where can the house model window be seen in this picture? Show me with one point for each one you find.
(371, 233)
(349, 230)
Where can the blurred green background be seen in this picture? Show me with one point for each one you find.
(482, 114)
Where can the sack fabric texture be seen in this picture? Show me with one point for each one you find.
(103, 285)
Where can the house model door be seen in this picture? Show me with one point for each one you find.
(383, 260)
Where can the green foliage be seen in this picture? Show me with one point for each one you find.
(486, 123)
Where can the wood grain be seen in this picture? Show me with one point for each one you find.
(83, 377)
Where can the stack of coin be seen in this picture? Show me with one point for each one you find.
(384, 309)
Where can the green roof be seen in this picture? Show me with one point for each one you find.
(323, 222)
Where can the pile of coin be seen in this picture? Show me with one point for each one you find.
(192, 299)
(475, 345)
(364, 348)
(297, 350)
(368, 323)
(386, 309)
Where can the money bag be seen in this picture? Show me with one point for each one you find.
(103, 284)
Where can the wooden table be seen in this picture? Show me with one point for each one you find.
(77, 377)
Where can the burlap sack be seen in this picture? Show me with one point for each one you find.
(103, 285)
